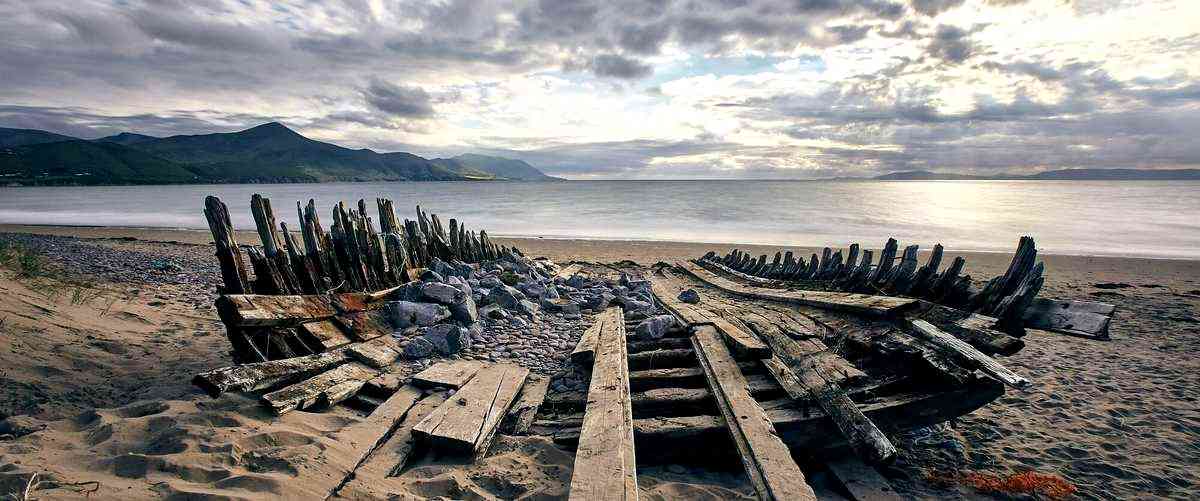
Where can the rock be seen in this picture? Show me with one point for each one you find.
(405, 314)
(690, 296)
(491, 283)
(431, 276)
(528, 307)
(442, 293)
(447, 339)
(507, 297)
(418, 348)
(551, 293)
(597, 302)
(19, 426)
(493, 311)
(465, 311)
(654, 327)
(532, 289)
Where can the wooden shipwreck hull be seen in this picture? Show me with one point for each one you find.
(1011, 298)
(764, 362)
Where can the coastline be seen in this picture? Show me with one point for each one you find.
(981, 264)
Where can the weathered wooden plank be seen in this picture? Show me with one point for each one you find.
(1079, 318)
(679, 377)
(375, 355)
(364, 325)
(666, 290)
(453, 374)
(966, 353)
(858, 303)
(365, 436)
(233, 268)
(767, 461)
(862, 481)
(389, 458)
(523, 412)
(308, 392)
(585, 349)
(325, 334)
(605, 461)
(466, 423)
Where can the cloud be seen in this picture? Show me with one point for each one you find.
(398, 100)
(952, 44)
(934, 7)
(616, 66)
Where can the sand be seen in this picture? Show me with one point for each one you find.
(102, 374)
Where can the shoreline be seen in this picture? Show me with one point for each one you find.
(557, 245)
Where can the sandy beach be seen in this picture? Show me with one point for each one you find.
(98, 358)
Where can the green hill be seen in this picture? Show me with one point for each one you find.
(23, 137)
(268, 153)
(88, 162)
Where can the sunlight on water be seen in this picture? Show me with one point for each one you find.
(1152, 218)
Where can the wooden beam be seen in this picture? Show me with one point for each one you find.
(666, 290)
(525, 410)
(605, 461)
(1076, 318)
(265, 375)
(585, 349)
(467, 422)
(966, 353)
(389, 458)
(452, 374)
(862, 481)
(309, 392)
(881, 306)
(768, 462)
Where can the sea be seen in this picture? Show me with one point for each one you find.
(1159, 219)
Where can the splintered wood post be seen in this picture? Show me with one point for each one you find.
(966, 353)
(467, 422)
(768, 462)
(605, 461)
(886, 256)
(233, 269)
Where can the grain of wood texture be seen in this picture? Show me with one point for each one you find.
(325, 334)
(365, 436)
(767, 461)
(605, 461)
(523, 412)
(862, 481)
(585, 349)
(389, 458)
(1078, 318)
(265, 375)
(364, 325)
(858, 303)
(966, 353)
(665, 289)
(373, 355)
(452, 374)
(679, 377)
(467, 422)
(233, 267)
(308, 392)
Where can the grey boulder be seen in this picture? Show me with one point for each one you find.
(442, 293)
(405, 314)
(447, 339)
(654, 327)
(690, 296)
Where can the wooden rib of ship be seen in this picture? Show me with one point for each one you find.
(1011, 298)
(778, 368)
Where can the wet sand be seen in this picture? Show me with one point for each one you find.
(1118, 419)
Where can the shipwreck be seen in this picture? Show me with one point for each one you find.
(772, 363)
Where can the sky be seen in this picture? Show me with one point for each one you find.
(648, 89)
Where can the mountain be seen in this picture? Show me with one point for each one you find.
(23, 137)
(503, 168)
(127, 138)
(88, 162)
(1062, 174)
(268, 153)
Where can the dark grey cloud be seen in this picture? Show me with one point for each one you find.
(952, 44)
(617, 66)
(934, 7)
(398, 100)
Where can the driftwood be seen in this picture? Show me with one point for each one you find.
(605, 460)
(525, 410)
(453, 374)
(389, 458)
(310, 391)
(966, 353)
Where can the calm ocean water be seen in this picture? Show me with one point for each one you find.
(1149, 219)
